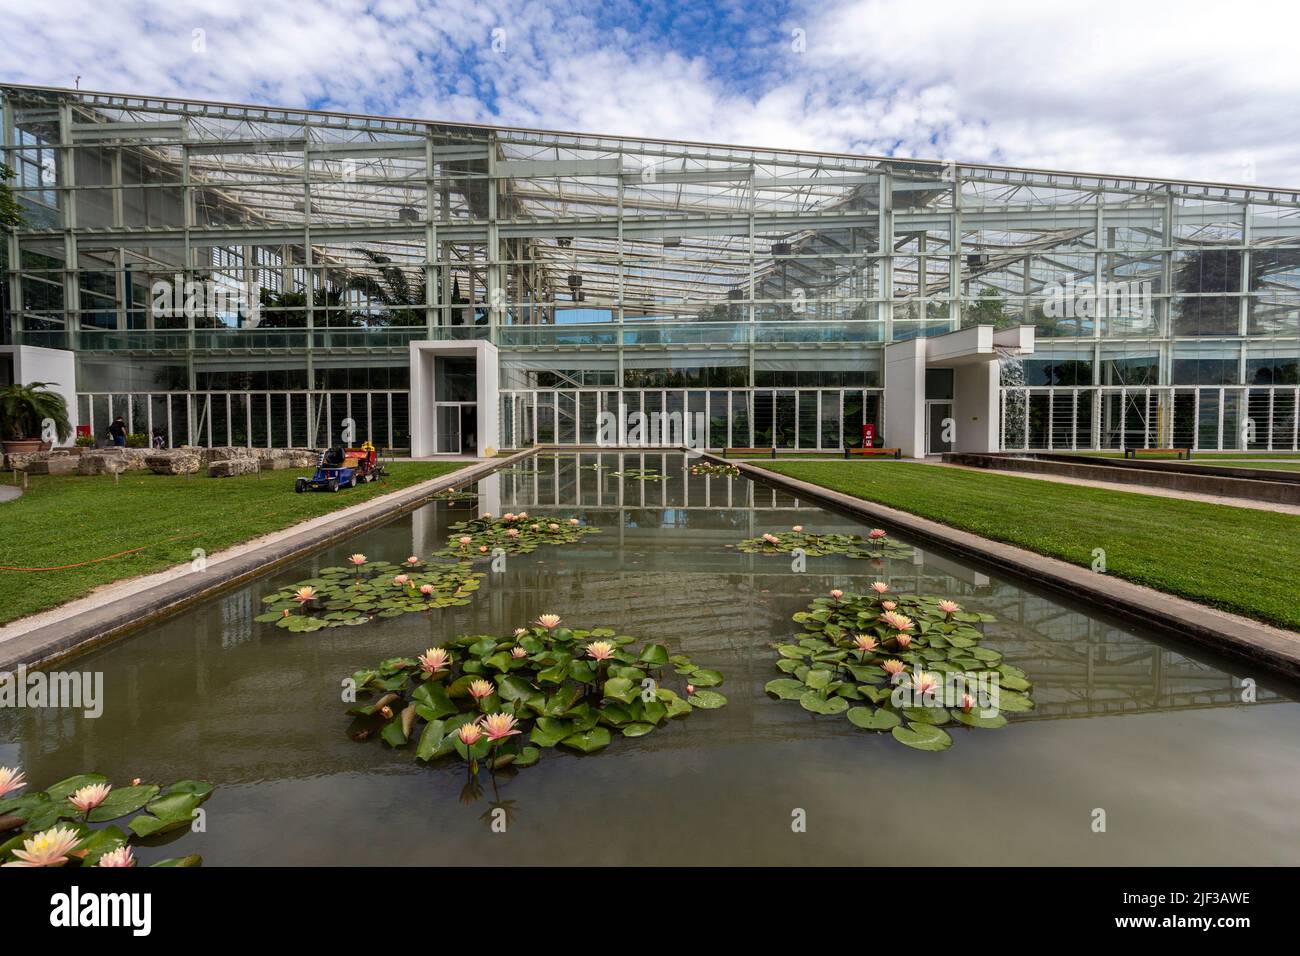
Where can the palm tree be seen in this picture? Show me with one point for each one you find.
(24, 407)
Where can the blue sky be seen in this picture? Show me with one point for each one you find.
(1190, 90)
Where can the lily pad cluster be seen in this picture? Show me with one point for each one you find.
(715, 469)
(499, 702)
(367, 589)
(902, 663)
(453, 494)
(58, 826)
(876, 545)
(479, 537)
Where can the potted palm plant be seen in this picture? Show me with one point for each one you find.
(23, 409)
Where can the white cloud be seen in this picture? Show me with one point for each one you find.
(1160, 89)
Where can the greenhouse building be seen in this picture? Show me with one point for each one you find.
(228, 274)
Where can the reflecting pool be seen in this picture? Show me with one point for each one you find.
(1154, 734)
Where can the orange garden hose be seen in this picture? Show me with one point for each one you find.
(82, 564)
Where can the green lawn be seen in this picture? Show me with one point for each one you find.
(1238, 559)
(62, 521)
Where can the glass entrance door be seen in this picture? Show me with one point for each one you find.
(448, 419)
(457, 428)
(938, 427)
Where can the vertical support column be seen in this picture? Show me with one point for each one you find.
(495, 294)
(68, 194)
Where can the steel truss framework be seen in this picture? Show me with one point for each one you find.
(584, 257)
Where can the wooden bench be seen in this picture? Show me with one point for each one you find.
(863, 452)
(748, 452)
(1180, 452)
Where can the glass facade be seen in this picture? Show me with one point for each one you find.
(191, 253)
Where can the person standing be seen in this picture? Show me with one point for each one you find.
(117, 432)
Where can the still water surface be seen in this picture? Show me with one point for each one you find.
(1155, 734)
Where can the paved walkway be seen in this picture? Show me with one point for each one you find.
(1131, 489)
(9, 492)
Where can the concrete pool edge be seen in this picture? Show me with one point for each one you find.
(149, 599)
(1238, 637)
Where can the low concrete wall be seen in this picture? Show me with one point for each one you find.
(1203, 466)
(1278, 492)
(1252, 642)
(44, 645)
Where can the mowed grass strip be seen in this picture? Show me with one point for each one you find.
(1238, 559)
(70, 520)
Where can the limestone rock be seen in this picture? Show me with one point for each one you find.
(173, 463)
(106, 462)
(54, 465)
(229, 467)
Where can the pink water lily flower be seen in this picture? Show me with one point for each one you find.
(412, 560)
(507, 517)
(499, 726)
(967, 702)
(11, 779)
(401, 580)
(797, 528)
(600, 650)
(426, 589)
(690, 689)
(520, 631)
(357, 560)
(893, 668)
(549, 621)
(304, 594)
(903, 638)
(880, 587)
(469, 734)
(552, 527)
(889, 605)
(574, 522)
(877, 534)
(924, 682)
(433, 660)
(91, 796)
(836, 593)
(120, 857)
(480, 688)
(864, 642)
(899, 622)
(47, 848)
(771, 538)
(486, 516)
(512, 532)
(949, 607)
(522, 515)
(464, 540)
(518, 652)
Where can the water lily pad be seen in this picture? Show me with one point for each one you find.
(972, 718)
(706, 700)
(703, 677)
(873, 718)
(813, 701)
(785, 688)
(922, 737)
(589, 741)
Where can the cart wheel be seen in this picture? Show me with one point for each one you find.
(333, 484)
(352, 482)
(300, 485)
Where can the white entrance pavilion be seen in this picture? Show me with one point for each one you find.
(942, 393)
(450, 415)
